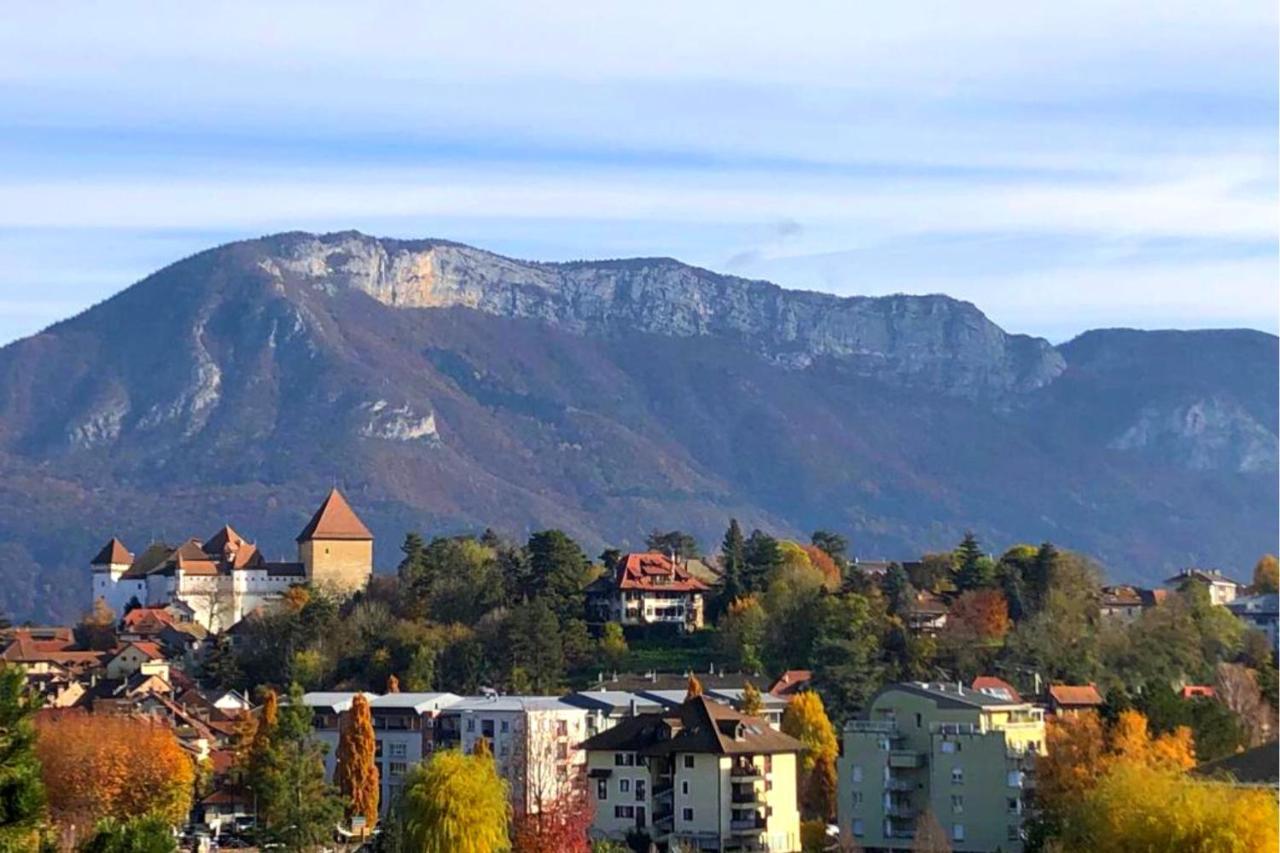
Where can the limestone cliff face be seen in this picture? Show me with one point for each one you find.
(935, 341)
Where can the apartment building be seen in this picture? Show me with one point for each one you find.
(965, 755)
(535, 741)
(404, 728)
(701, 775)
(327, 709)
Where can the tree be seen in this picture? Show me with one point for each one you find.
(97, 628)
(22, 796)
(979, 616)
(695, 688)
(833, 544)
(145, 834)
(805, 719)
(455, 803)
(819, 798)
(821, 560)
(790, 602)
(741, 633)
(1266, 575)
(761, 557)
(559, 823)
(752, 703)
(96, 766)
(676, 542)
(930, 837)
(898, 592)
(560, 571)
(733, 551)
(934, 572)
(356, 772)
(1037, 578)
(846, 651)
(613, 644)
(535, 646)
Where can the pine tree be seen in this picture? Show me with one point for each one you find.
(1038, 578)
(976, 569)
(752, 704)
(898, 591)
(560, 572)
(414, 550)
(536, 646)
(732, 563)
(22, 796)
(761, 555)
(356, 772)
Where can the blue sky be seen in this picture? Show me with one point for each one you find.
(1063, 166)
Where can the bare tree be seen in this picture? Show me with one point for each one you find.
(1237, 688)
(930, 837)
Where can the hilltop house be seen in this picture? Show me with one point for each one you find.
(1222, 589)
(217, 582)
(648, 589)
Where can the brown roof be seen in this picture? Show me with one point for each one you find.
(1075, 694)
(791, 681)
(219, 542)
(335, 519)
(146, 620)
(113, 553)
(698, 725)
(151, 650)
(993, 686)
(1121, 596)
(654, 571)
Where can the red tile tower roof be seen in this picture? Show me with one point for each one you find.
(335, 519)
(113, 553)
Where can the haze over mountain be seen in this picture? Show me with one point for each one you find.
(448, 388)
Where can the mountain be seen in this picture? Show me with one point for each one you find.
(447, 388)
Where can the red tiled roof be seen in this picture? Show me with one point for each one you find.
(113, 553)
(335, 519)
(148, 648)
(1075, 694)
(654, 571)
(146, 620)
(1193, 691)
(791, 682)
(995, 687)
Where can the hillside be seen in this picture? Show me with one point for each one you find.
(448, 388)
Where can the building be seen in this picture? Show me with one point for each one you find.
(647, 589)
(1222, 590)
(217, 582)
(606, 708)
(534, 739)
(1260, 612)
(1071, 700)
(962, 754)
(996, 687)
(701, 775)
(327, 708)
(404, 726)
(927, 613)
(791, 682)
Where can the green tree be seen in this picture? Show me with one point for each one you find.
(467, 579)
(898, 592)
(835, 546)
(741, 634)
(145, 834)
(677, 542)
(760, 557)
(934, 572)
(846, 667)
(1037, 577)
(356, 771)
(976, 570)
(613, 644)
(733, 560)
(560, 572)
(535, 645)
(22, 800)
(455, 803)
(790, 630)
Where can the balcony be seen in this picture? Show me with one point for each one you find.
(747, 797)
(955, 729)
(879, 727)
(906, 758)
(748, 826)
(662, 790)
(895, 784)
(903, 809)
(743, 770)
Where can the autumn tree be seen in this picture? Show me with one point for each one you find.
(1266, 575)
(22, 795)
(820, 790)
(96, 766)
(455, 803)
(833, 544)
(145, 834)
(979, 616)
(356, 772)
(752, 703)
(393, 683)
(561, 822)
(805, 719)
(694, 689)
(97, 628)
(741, 633)
(929, 835)
(613, 644)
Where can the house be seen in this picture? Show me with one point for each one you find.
(1120, 603)
(534, 740)
(700, 775)
(965, 755)
(996, 687)
(1260, 612)
(141, 656)
(1070, 700)
(404, 731)
(1197, 691)
(223, 578)
(41, 651)
(647, 589)
(927, 613)
(1222, 590)
(791, 682)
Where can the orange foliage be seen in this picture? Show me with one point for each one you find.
(97, 766)
(561, 825)
(822, 561)
(982, 614)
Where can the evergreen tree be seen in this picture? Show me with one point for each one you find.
(560, 572)
(835, 546)
(677, 542)
(846, 668)
(976, 569)
(733, 552)
(145, 834)
(22, 797)
(761, 556)
(898, 592)
(356, 772)
(1037, 579)
(535, 646)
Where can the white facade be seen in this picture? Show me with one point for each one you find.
(216, 601)
(404, 728)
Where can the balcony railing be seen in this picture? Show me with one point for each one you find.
(955, 729)
(906, 758)
(900, 785)
(748, 825)
(750, 796)
(746, 771)
(880, 727)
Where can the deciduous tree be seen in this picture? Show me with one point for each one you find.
(455, 803)
(805, 719)
(356, 772)
(979, 616)
(1266, 575)
(752, 703)
(819, 798)
(613, 644)
(694, 689)
(145, 834)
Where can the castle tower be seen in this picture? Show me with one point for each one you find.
(335, 547)
(111, 563)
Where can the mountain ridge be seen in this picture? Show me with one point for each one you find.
(458, 391)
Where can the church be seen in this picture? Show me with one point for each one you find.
(219, 581)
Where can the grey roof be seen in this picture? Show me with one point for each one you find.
(949, 694)
(734, 696)
(418, 702)
(611, 700)
(1265, 604)
(480, 704)
(334, 701)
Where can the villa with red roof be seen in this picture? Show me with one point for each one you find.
(648, 589)
(218, 581)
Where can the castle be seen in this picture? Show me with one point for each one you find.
(219, 581)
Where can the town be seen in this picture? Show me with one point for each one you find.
(765, 695)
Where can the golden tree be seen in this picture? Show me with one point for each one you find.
(97, 766)
(695, 688)
(752, 703)
(456, 803)
(819, 799)
(356, 772)
(929, 836)
(805, 719)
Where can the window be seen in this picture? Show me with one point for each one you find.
(398, 750)
(684, 787)
(398, 768)
(859, 829)
(624, 812)
(857, 798)
(919, 720)
(957, 832)
(949, 747)
(957, 804)
(957, 775)
(686, 814)
(504, 726)
(688, 761)
(624, 786)
(562, 728)
(857, 773)
(617, 759)
(1014, 834)
(1014, 805)
(602, 789)
(884, 745)
(640, 790)
(471, 724)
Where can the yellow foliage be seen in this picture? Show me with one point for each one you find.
(356, 772)
(456, 803)
(805, 719)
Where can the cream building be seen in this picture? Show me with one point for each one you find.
(701, 775)
(965, 755)
(217, 582)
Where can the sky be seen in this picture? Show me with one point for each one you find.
(1064, 166)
